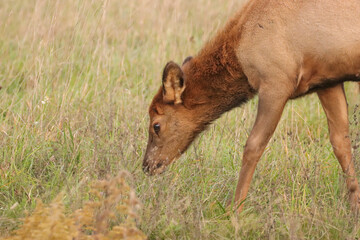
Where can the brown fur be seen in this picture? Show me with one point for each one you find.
(277, 49)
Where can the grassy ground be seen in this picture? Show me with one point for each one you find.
(77, 78)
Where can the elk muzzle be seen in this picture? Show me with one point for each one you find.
(153, 163)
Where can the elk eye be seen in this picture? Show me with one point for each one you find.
(157, 128)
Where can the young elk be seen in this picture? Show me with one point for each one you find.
(279, 50)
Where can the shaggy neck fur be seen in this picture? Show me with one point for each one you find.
(215, 82)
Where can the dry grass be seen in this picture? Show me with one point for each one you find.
(77, 78)
(110, 214)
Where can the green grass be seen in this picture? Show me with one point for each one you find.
(77, 79)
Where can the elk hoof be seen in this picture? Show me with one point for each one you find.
(234, 207)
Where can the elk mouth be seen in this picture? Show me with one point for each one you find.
(155, 161)
(157, 168)
(154, 171)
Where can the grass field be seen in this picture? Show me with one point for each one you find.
(77, 78)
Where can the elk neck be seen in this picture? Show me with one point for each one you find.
(215, 82)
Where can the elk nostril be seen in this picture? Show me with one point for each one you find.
(159, 165)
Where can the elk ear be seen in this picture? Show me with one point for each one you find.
(187, 60)
(173, 83)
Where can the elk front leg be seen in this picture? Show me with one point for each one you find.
(270, 108)
(334, 103)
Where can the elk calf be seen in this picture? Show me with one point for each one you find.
(279, 50)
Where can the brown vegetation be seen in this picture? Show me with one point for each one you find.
(110, 214)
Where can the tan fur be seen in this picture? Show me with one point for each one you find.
(173, 83)
(277, 49)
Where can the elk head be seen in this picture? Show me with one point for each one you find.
(172, 124)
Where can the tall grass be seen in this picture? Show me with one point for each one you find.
(77, 79)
